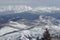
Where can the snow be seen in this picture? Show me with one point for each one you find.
(14, 8)
(17, 25)
(23, 8)
(47, 9)
(15, 30)
(6, 30)
(37, 30)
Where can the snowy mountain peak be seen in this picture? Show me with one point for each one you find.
(47, 9)
(23, 8)
(17, 8)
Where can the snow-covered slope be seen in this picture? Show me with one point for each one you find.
(22, 29)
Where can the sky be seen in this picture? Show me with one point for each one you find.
(33, 3)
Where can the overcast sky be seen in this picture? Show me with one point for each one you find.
(31, 2)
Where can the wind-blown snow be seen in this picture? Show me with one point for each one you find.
(23, 8)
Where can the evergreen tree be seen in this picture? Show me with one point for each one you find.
(46, 35)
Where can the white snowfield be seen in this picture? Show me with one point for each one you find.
(19, 30)
(22, 8)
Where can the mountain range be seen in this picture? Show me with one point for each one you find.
(17, 22)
